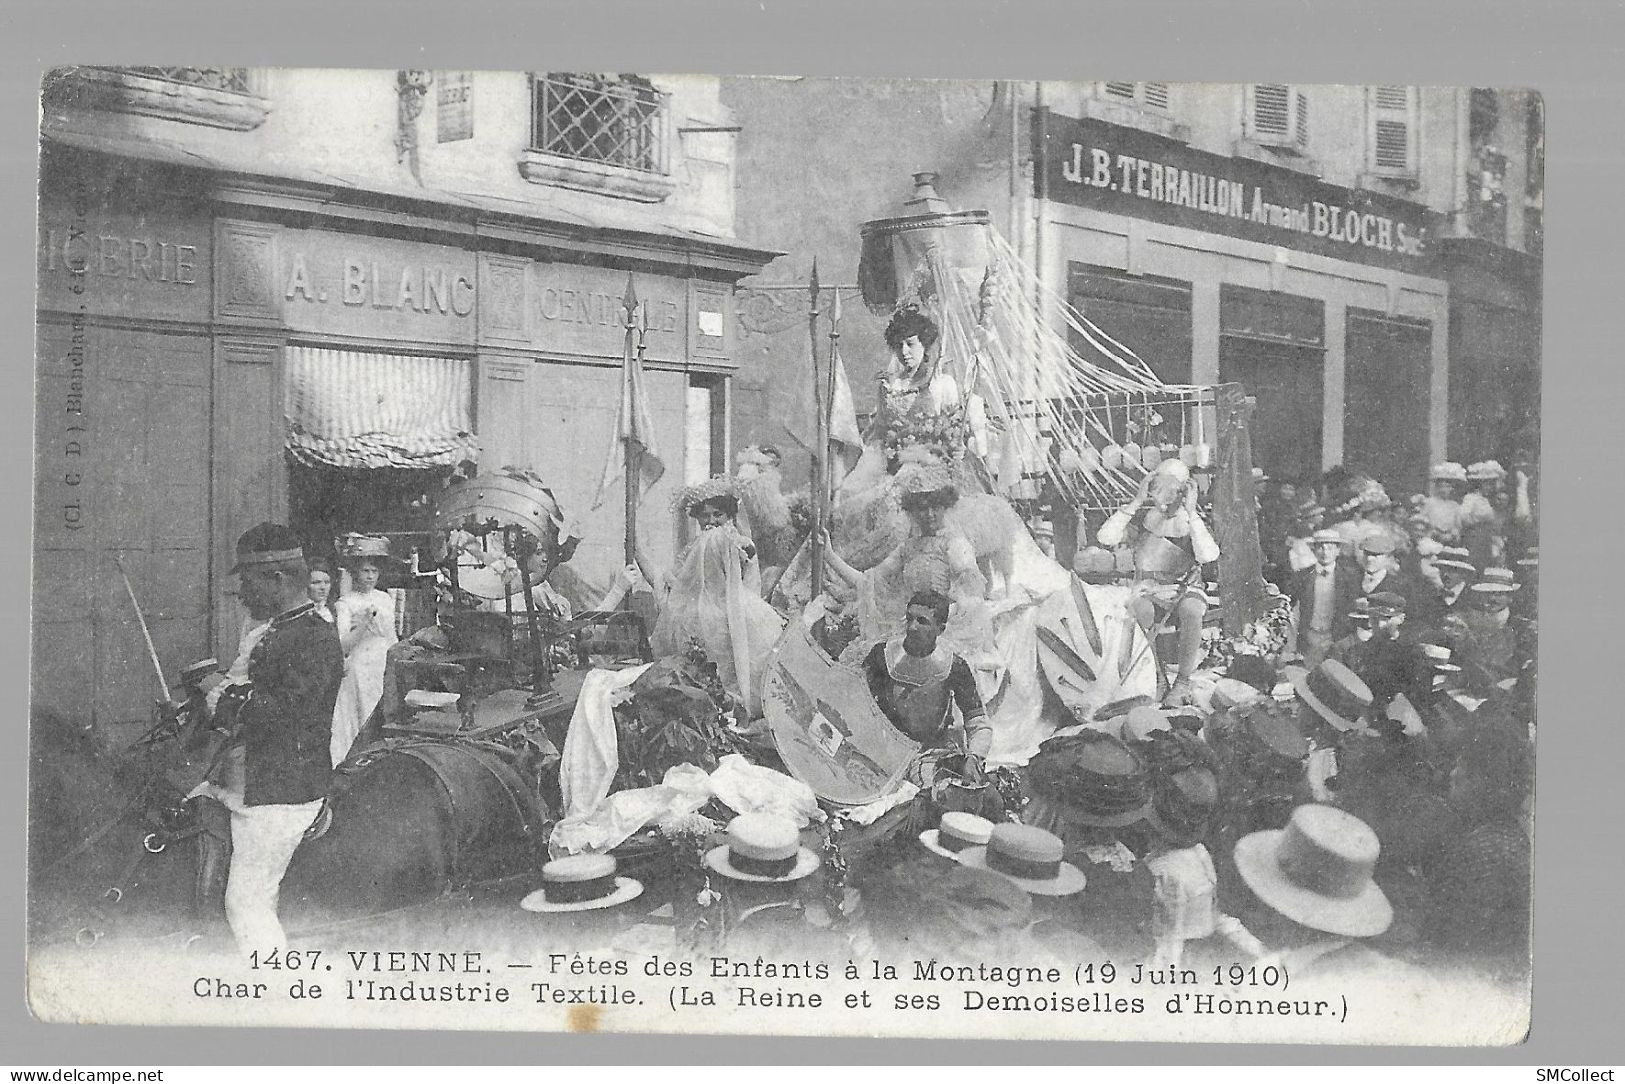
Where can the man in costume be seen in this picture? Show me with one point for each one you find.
(919, 682)
(275, 774)
(1172, 541)
(1324, 594)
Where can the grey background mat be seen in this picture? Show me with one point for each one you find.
(1570, 52)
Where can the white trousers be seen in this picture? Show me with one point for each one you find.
(263, 839)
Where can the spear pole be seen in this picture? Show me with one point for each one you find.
(820, 447)
(829, 398)
(632, 349)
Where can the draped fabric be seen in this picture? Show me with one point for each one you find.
(347, 408)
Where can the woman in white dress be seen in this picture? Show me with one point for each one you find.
(366, 627)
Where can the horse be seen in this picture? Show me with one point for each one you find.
(117, 849)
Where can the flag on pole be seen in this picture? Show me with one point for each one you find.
(844, 437)
(634, 433)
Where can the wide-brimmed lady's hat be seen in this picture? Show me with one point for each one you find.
(1317, 872)
(1098, 778)
(1489, 470)
(1263, 740)
(721, 490)
(956, 833)
(353, 549)
(1336, 693)
(1496, 581)
(1448, 472)
(1029, 858)
(1184, 786)
(762, 848)
(581, 882)
(924, 481)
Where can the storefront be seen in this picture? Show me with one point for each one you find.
(244, 350)
(1325, 302)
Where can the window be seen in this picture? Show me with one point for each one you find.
(1391, 131)
(230, 98)
(607, 134)
(616, 120)
(1149, 95)
(1277, 117)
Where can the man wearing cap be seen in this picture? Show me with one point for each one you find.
(1172, 541)
(277, 773)
(1390, 663)
(1324, 595)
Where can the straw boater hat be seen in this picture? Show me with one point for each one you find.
(1448, 472)
(1438, 657)
(955, 833)
(1455, 557)
(1317, 872)
(1496, 581)
(581, 882)
(721, 490)
(1336, 693)
(1486, 471)
(1326, 536)
(762, 848)
(1530, 558)
(266, 544)
(1029, 858)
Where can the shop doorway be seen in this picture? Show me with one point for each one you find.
(1387, 400)
(1274, 346)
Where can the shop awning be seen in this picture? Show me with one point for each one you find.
(346, 408)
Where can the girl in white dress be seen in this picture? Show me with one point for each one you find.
(366, 627)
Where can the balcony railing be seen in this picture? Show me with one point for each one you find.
(230, 79)
(615, 122)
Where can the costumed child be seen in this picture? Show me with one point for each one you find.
(715, 595)
(1184, 802)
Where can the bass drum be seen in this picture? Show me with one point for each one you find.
(412, 821)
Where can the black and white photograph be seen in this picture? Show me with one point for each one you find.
(571, 551)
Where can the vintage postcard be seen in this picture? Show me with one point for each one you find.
(627, 552)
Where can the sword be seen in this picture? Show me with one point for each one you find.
(152, 652)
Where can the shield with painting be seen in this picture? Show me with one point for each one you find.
(829, 732)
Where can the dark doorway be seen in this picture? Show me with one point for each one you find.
(1386, 398)
(1274, 346)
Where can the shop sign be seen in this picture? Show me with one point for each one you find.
(454, 106)
(94, 260)
(581, 310)
(376, 286)
(1090, 163)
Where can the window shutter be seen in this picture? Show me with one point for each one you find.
(1120, 90)
(1393, 130)
(1301, 133)
(1156, 95)
(1271, 114)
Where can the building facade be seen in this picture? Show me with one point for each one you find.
(1364, 259)
(309, 296)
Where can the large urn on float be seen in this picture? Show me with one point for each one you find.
(907, 259)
